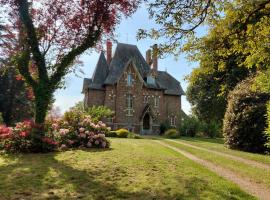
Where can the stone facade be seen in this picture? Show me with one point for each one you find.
(137, 106)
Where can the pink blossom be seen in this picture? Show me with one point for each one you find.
(63, 131)
(81, 130)
(89, 144)
(24, 134)
(97, 142)
(103, 144)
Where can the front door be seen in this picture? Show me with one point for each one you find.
(146, 122)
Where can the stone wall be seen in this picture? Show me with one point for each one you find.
(114, 97)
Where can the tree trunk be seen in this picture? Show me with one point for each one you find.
(42, 100)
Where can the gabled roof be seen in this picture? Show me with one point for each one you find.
(123, 53)
(169, 83)
(105, 74)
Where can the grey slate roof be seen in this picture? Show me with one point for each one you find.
(124, 53)
(102, 69)
(169, 83)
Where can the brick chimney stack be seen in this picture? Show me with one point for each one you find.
(155, 58)
(109, 51)
(148, 57)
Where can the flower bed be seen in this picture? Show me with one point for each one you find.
(74, 130)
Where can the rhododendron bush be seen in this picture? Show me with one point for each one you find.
(44, 38)
(74, 130)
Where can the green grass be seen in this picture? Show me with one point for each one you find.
(132, 169)
(254, 173)
(218, 145)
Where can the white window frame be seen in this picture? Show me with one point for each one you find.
(129, 79)
(156, 101)
(129, 104)
(173, 121)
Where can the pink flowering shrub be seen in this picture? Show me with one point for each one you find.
(76, 129)
(19, 138)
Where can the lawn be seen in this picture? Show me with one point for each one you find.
(245, 170)
(218, 145)
(131, 169)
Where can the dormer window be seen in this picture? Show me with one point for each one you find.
(129, 79)
(150, 80)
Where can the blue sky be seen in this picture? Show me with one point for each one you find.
(126, 33)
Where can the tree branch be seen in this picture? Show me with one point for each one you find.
(22, 65)
(32, 39)
(69, 58)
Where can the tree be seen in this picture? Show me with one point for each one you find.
(245, 118)
(16, 100)
(44, 38)
(232, 50)
(180, 19)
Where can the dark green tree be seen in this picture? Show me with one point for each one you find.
(16, 100)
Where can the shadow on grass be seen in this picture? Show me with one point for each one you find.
(43, 176)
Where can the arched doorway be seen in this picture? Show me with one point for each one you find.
(146, 122)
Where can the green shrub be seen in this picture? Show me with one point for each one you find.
(111, 134)
(1, 119)
(164, 127)
(134, 136)
(172, 133)
(122, 133)
(211, 129)
(267, 131)
(98, 113)
(190, 126)
(245, 118)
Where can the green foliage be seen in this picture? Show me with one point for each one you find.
(15, 101)
(245, 120)
(122, 133)
(134, 136)
(1, 119)
(111, 134)
(99, 112)
(190, 126)
(267, 131)
(172, 133)
(164, 127)
(211, 129)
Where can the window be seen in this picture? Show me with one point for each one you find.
(129, 104)
(129, 79)
(156, 101)
(173, 121)
(145, 99)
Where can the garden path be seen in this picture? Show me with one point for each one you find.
(251, 187)
(236, 158)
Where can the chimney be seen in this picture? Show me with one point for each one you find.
(155, 58)
(148, 57)
(109, 51)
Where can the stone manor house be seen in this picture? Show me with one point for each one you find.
(141, 96)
